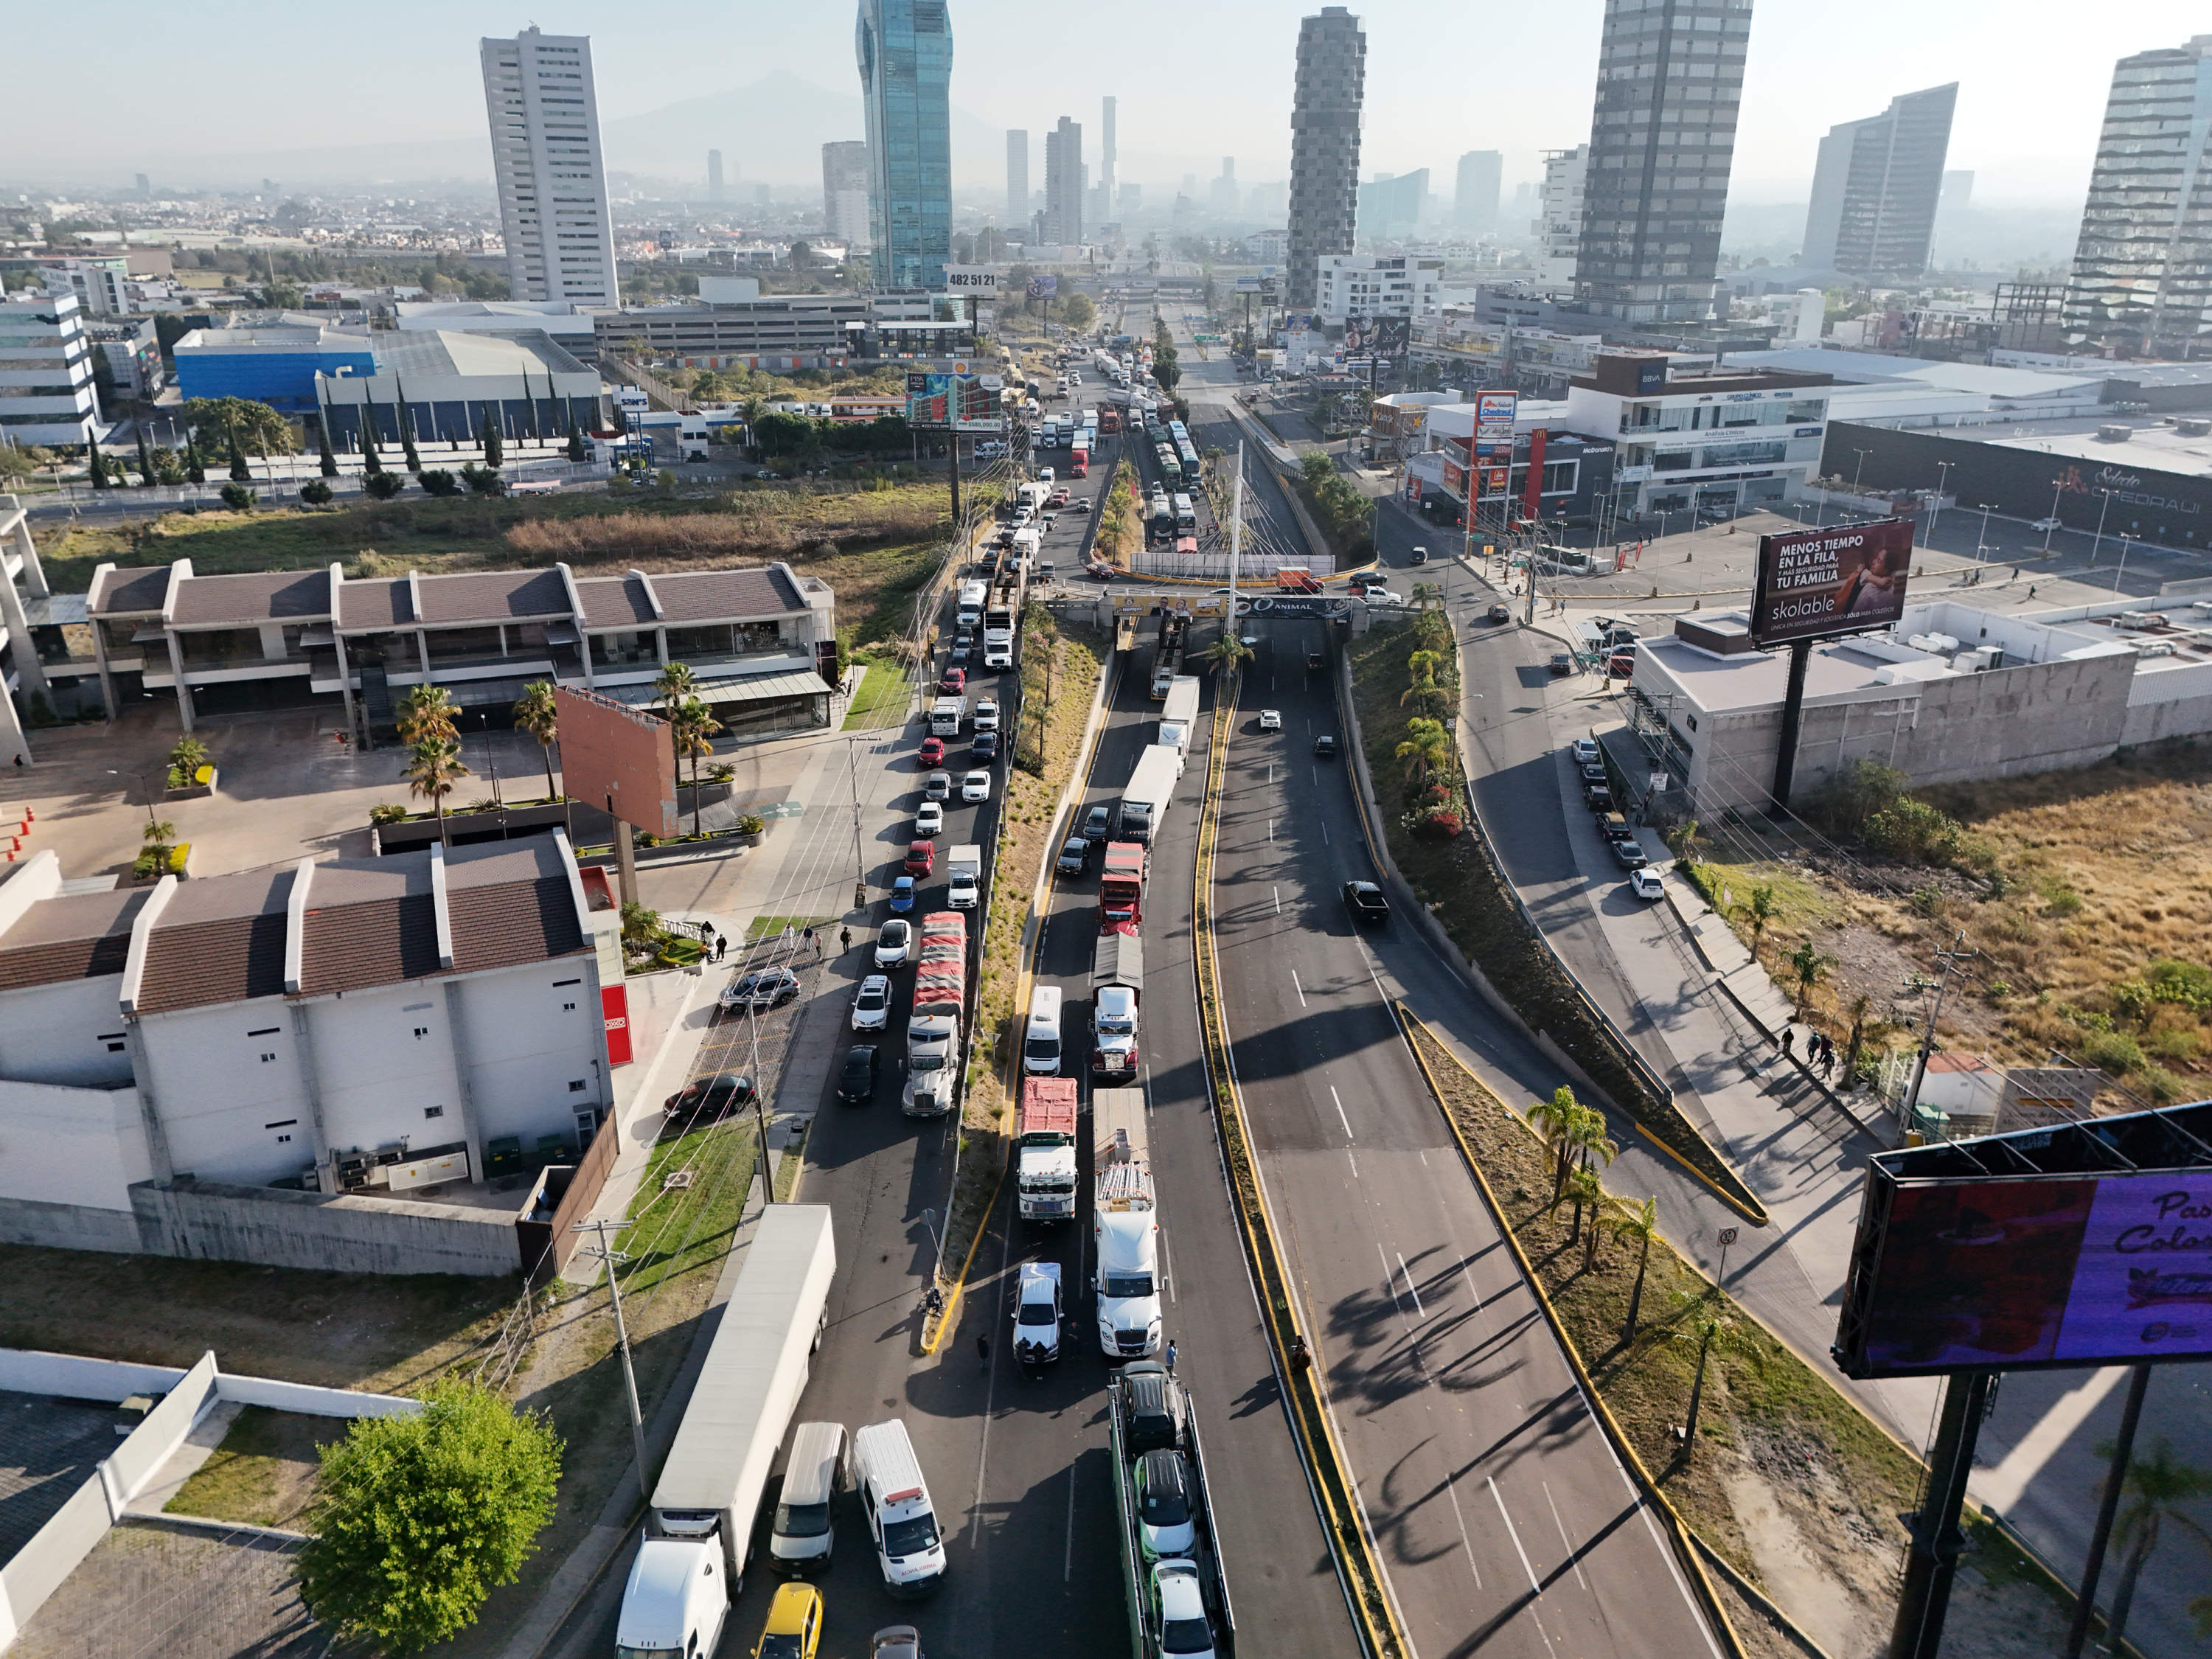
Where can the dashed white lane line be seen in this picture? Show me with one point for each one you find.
(1340, 1117)
(1302, 999)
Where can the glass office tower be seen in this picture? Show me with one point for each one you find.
(905, 53)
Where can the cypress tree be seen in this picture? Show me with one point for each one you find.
(326, 462)
(576, 451)
(99, 467)
(537, 434)
(401, 414)
(240, 472)
(145, 458)
(372, 463)
(495, 453)
(194, 468)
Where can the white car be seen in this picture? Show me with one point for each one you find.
(893, 943)
(1645, 884)
(1271, 719)
(1380, 597)
(986, 714)
(1179, 1606)
(871, 1005)
(928, 820)
(1585, 751)
(2046, 525)
(975, 786)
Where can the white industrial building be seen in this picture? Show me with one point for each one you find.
(186, 1068)
(565, 323)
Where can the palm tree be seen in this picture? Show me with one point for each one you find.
(1426, 595)
(1227, 655)
(1426, 750)
(1590, 1141)
(1553, 1120)
(2156, 1487)
(693, 725)
(1581, 1188)
(1808, 964)
(434, 767)
(1686, 841)
(1704, 1326)
(1637, 1224)
(429, 712)
(536, 713)
(158, 835)
(1762, 908)
(677, 681)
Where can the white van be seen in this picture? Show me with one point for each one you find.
(805, 1532)
(1041, 1041)
(885, 1474)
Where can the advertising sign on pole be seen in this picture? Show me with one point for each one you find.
(1812, 584)
(1043, 288)
(1493, 422)
(619, 758)
(981, 281)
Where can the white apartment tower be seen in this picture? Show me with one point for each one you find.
(1558, 224)
(552, 177)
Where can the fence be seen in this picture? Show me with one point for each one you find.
(1251, 567)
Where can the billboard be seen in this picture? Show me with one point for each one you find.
(620, 759)
(940, 400)
(1391, 336)
(1815, 583)
(1043, 288)
(979, 280)
(1493, 422)
(2016, 1272)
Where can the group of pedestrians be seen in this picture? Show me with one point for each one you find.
(1819, 1051)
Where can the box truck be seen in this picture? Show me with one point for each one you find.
(1044, 1168)
(933, 1031)
(692, 1560)
(964, 869)
(1125, 1226)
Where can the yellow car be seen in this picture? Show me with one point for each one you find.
(794, 1630)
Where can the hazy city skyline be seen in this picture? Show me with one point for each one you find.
(2026, 126)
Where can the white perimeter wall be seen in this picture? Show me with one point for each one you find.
(60, 1033)
(64, 1146)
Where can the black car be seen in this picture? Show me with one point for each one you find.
(963, 648)
(1498, 613)
(1365, 901)
(1631, 854)
(1563, 662)
(1325, 747)
(1074, 857)
(1592, 771)
(856, 1083)
(711, 1096)
(1598, 797)
(985, 745)
(1095, 823)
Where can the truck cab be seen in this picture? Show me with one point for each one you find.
(1037, 1314)
(1127, 1241)
(676, 1602)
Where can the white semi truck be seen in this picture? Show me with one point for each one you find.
(1125, 1226)
(1179, 715)
(1144, 805)
(692, 1561)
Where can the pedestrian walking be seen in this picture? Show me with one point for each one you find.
(1171, 1356)
(807, 938)
(1789, 1043)
(983, 1350)
(844, 940)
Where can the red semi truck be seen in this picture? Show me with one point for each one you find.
(1122, 888)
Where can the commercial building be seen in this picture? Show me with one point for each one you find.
(904, 49)
(565, 323)
(46, 393)
(1371, 285)
(133, 351)
(277, 364)
(1952, 695)
(1559, 225)
(441, 385)
(46, 649)
(779, 332)
(1877, 186)
(282, 1066)
(1477, 352)
(2141, 284)
(845, 191)
(1330, 89)
(1474, 200)
(1575, 470)
(1017, 179)
(1663, 137)
(102, 285)
(1391, 206)
(1106, 174)
(1063, 184)
(291, 638)
(545, 116)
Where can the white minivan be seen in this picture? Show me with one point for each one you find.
(804, 1534)
(1041, 1039)
(902, 1526)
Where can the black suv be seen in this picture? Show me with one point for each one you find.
(1156, 1407)
(856, 1084)
(1096, 823)
(1365, 901)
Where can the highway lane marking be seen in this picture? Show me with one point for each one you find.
(1302, 1003)
(1410, 1291)
(1513, 1532)
(1353, 1162)
(1271, 832)
(1451, 1490)
(1481, 1312)
(1340, 1117)
(1277, 892)
(1324, 835)
(1566, 1542)
(1167, 1275)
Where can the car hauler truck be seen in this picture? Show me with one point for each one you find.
(1167, 656)
(1125, 1226)
(1144, 798)
(1044, 1173)
(693, 1559)
(1163, 1513)
(932, 1031)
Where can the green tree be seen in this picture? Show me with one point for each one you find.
(675, 683)
(96, 464)
(2155, 1490)
(240, 472)
(1761, 910)
(1078, 312)
(538, 713)
(434, 768)
(371, 462)
(1859, 1005)
(1552, 1120)
(405, 417)
(383, 486)
(429, 711)
(577, 453)
(417, 1518)
(1227, 655)
(326, 462)
(146, 472)
(255, 425)
(195, 469)
(1808, 964)
(1581, 1188)
(159, 834)
(693, 727)
(495, 452)
(1639, 1225)
(1426, 752)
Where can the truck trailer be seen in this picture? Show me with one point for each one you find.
(932, 1031)
(1121, 887)
(1144, 805)
(1125, 1226)
(1044, 1169)
(692, 1560)
(1152, 1426)
(1167, 656)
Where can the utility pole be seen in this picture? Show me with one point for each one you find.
(614, 1259)
(1951, 961)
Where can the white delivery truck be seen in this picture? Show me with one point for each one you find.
(964, 869)
(945, 714)
(693, 1559)
(1179, 715)
(1031, 495)
(1125, 1226)
(1027, 541)
(1144, 806)
(970, 611)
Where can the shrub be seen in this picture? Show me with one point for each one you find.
(2161, 1085)
(315, 493)
(752, 825)
(390, 812)
(2188, 983)
(439, 482)
(1439, 823)
(383, 486)
(238, 497)
(483, 480)
(2112, 1051)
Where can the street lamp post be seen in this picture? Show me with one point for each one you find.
(2127, 539)
(2098, 541)
(127, 772)
(1859, 469)
(1942, 488)
(1982, 541)
(2058, 488)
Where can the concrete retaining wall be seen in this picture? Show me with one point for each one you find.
(327, 1232)
(68, 1226)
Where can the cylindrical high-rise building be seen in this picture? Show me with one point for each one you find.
(1332, 81)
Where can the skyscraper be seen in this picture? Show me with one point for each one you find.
(1875, 186)
(1475, 206)
(1063, 183)
(1227, 198)
(904, 49)
(1663, 136)
(1390, 205)
(545, 154)
(1559, 223)
(2143, 268)
(1106, 176)
(1332, 81)
(714, 175)
(845, 190)
(1017, 179)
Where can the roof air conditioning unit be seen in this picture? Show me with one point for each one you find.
(2137, 619)
(2155, 648)
(2114, 435)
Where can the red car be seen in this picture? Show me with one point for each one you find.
(1059, 498)
(954, 683)
(920, 857)
(932, 752)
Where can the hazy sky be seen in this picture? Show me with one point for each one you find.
(1195, 82)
